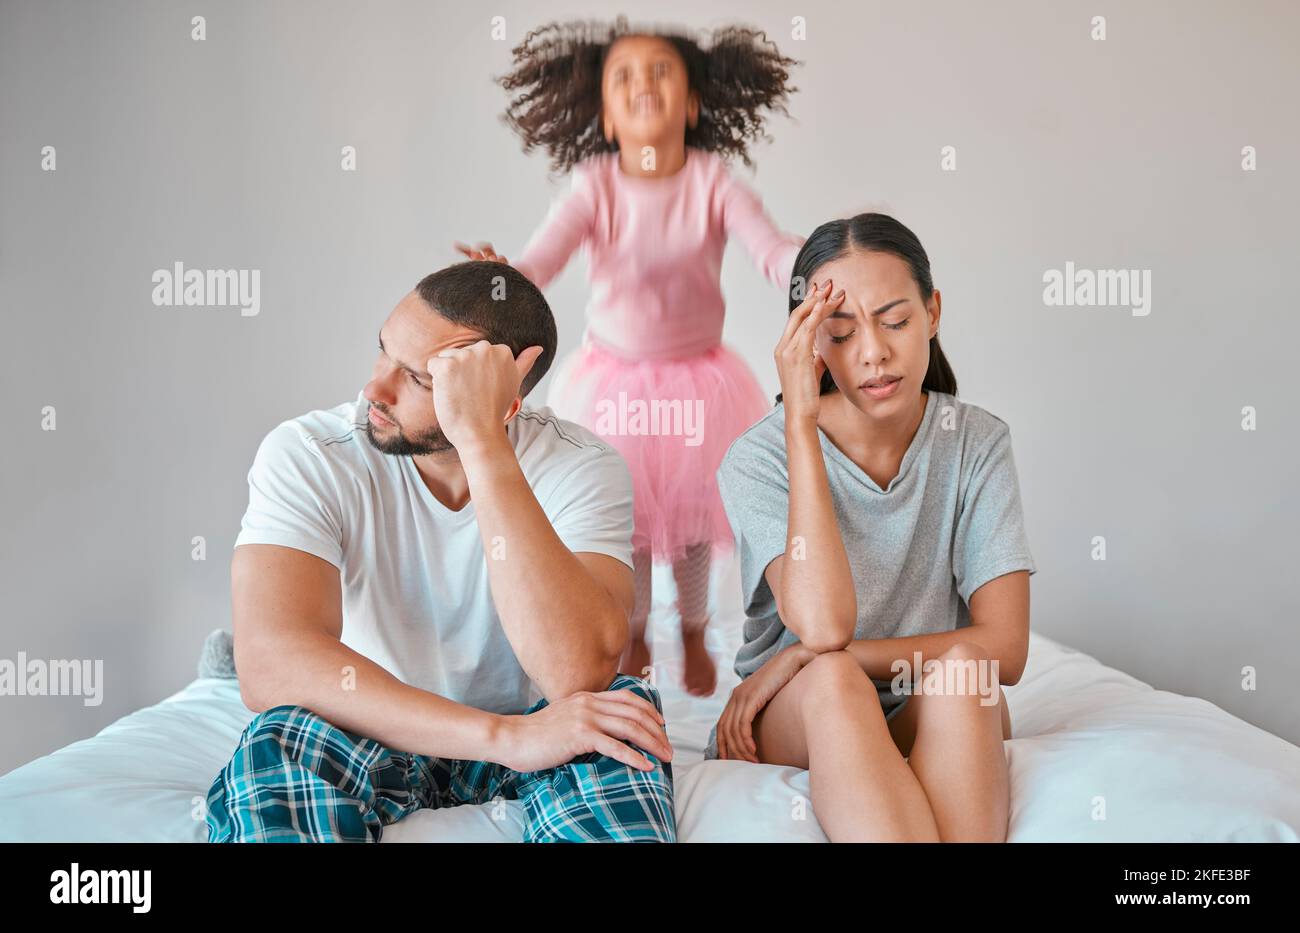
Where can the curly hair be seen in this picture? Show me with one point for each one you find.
(737, 73)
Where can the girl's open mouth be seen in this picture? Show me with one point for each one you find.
(645, 104)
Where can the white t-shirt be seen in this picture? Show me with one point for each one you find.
(416, 598)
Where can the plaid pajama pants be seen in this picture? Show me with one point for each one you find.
(296, 778)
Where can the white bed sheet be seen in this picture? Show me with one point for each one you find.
(1168, 767)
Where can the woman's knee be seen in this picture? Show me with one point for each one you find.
(966, 673)
(830, 677)
(965, 651)
(964, 668)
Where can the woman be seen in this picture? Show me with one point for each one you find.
(880, 531)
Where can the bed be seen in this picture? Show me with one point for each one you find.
(1169, 768)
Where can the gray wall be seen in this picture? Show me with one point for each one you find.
(1123, 153)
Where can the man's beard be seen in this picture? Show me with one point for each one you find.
(432, 441)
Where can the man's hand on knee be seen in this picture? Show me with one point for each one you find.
(582, 723)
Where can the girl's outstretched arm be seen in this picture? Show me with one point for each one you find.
(567, 227)
(772, 250)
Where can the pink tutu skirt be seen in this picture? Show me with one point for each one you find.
(672, 420)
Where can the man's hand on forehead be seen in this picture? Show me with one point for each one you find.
(489, 353)
(475, 386)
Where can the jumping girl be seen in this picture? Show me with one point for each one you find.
(645, 121)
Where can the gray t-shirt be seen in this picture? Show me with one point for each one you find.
(948, 523)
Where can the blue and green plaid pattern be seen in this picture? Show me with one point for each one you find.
(297, 778)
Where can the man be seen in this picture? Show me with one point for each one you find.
(415, 568)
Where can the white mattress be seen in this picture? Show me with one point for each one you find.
(1169, 767)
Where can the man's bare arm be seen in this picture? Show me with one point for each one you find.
(288, 619)
(565, 614)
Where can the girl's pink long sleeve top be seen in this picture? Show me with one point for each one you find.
(655, 249)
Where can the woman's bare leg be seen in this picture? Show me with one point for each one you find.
(954, 744)
(828, 719)
(636, 657)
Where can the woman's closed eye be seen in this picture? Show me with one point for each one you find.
(899, 326)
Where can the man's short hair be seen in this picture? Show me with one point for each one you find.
(500, 303)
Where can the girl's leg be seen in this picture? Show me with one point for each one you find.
(636, 658)
(691, 574)
(955, 748)
(828, 719)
